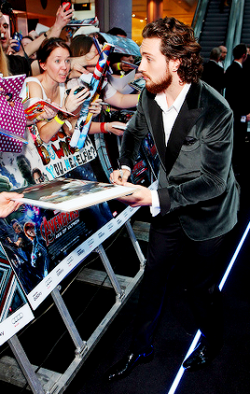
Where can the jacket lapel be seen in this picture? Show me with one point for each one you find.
(155, 116)
(185, 120)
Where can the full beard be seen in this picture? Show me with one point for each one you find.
(160, 87)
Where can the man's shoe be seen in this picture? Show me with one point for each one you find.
(201, 357)
(127, 363)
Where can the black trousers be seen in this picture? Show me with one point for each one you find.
(201, 265)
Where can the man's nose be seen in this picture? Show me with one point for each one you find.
(141, 67)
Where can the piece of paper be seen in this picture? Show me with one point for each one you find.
(121, 84)
(41, 28)
(122, 45)
(71, 194)
(84, 22)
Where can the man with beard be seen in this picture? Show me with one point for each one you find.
(195, 205)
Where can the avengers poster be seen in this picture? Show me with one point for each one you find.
(44, 246)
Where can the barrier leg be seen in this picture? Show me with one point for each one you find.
(68, 321)
(116, 285)
(25, 365)
(135, 244)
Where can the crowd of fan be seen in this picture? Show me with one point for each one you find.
(80, 56)
(232, 82)
(56, 63)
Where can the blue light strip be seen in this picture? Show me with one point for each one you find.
(198, 334)
(181, 369)
(230, 266)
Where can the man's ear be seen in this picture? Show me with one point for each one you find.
(174, 64)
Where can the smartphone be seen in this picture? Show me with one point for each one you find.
(17, 36)
(85, 85)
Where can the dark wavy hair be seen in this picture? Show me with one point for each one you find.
(177, 42)
(80, 45)
(48, 46)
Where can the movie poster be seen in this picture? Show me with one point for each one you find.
(15, 312)
(43, 246)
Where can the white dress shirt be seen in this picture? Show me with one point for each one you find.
(169, 114)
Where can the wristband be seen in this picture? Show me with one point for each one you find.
(102, 127)
(61, 122)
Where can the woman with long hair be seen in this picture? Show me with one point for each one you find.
(54, 61)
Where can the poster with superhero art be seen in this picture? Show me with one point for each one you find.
(15, 312)
(43, 246)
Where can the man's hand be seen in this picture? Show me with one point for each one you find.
(120, 177)
(141, 197)
(7, 206)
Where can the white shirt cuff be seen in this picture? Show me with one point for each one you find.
(126, 168)
(155, 207)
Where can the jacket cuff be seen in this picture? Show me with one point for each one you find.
(164, 201)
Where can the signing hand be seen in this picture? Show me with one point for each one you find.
(120, 177)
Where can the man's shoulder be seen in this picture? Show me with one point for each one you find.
(234, 67)
(212, 69)
(210, 64)
(208, 96)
